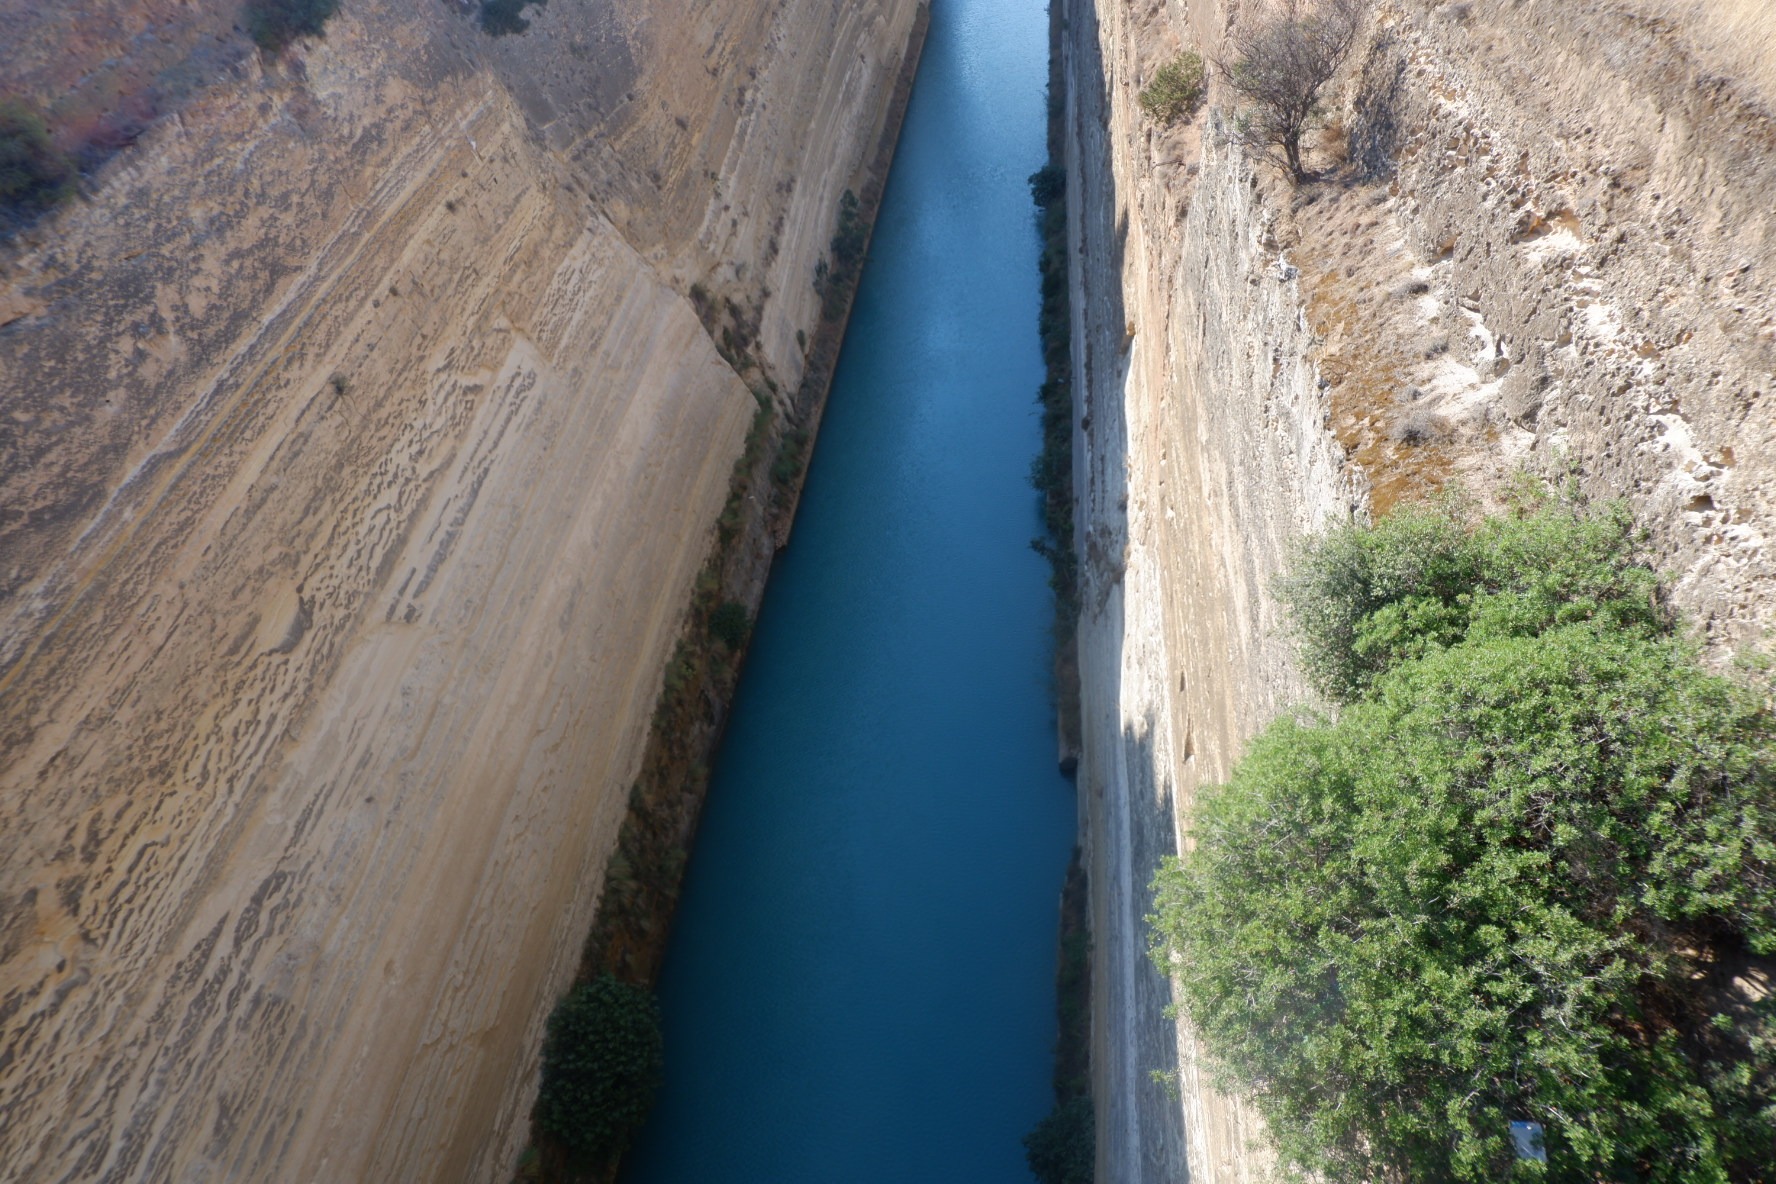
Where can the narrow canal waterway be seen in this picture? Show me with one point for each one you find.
(860, 984)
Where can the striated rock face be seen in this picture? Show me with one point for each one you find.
(1587, 198)
(1543, 242)
(1205, 459)
(361, 445)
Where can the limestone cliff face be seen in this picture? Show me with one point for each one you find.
(1544, 242)
(361, 446)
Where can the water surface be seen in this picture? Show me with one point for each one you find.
(859, 987)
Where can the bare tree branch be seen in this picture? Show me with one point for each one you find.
(1280, 66)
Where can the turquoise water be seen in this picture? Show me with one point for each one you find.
(859, 986)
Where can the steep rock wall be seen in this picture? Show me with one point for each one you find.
(1204, 459)
(1490, 277)
(362, 445)
(1587, 197)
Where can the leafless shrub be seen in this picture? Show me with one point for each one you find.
(1420, 427)
(1282, 63)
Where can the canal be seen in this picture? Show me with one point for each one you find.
(859, 986)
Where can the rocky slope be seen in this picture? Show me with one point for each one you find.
(1541, 240)
(363, 438)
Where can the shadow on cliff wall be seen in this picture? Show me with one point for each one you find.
(1140, 1120)
(1376, 133)
(1150, 804)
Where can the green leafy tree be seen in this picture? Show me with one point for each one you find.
(1515, 879)
(602, 1064)
(1363, 598)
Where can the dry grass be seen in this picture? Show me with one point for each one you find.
(1374, 350)
(1738, 35)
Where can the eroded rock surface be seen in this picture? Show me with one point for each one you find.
(1542, 240)
(361, 443)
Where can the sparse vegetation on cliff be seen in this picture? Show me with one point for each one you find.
(601, 1067)
(274, 24)
(1526, 874)
(1282, 64)
(1052, 470)
(34, 175)
(502, 18)
(836, 279)
(1176, 90)
(1062, 1148)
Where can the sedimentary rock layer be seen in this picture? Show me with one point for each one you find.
(362, 444)
(1204, 459)
(1542, 241)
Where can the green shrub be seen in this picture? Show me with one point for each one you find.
(273, 24)
(1176, 89)
(852, 234)
(1061, 1149)
(1361, 599)
(602, 1064)
(502, 18)
(730, 623)
(1051, 472)
(1512, 881)
(835, 281)
(791, 458)
(34, 175)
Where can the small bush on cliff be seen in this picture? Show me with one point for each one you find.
(1176, 89)
(1282, 64)
(1062, 1148)
(502, 18)
(1515, 879)
(274, 24)
(835, 281)
(602, 1064)
(1048, 184)
(34, 175)
(729, 624)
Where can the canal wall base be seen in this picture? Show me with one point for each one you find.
(629, 937)
(1458, 296)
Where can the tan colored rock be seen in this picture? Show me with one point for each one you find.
(1546, 245)
(361, 449)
